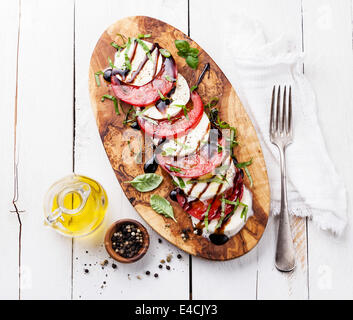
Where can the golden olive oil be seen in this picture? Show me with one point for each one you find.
(75, 205)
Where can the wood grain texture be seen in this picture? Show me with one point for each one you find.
(115, 137)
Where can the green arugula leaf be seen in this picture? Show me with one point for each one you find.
(146, 182)
(162, 206)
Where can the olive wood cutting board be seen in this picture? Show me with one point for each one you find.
(122, 156)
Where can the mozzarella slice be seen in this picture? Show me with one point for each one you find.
(181, 96)
(148, 71)
(191, 142)
(204, 191)
(236, 222)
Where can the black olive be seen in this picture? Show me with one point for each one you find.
(218, 239)
(173, 194)
(107, 75)
(151, 165)
(135, 125)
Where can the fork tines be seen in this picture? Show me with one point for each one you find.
(281, 118)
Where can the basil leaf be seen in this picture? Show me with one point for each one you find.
(146, 182)
(116, 106)
(141, 36)
(114, 45)
(193, 52)
(168, 152)
(220, 221)
(192, 61)
(190, 54)
(165, 53)
(96, 76)
(244, 213)
(168, 78)
(181, 182)
(127, 59)
(162, 206)
(174, 169)
(212, 103)
(206, 216)
(193, 88)
(249, 176)
(161, 95)
(111, 63)
(244, 164)
(182, 45)
(145, 48)
(214, 179)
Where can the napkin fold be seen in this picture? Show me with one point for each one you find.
(314, 188)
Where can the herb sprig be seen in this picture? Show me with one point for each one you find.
(190, 54)
(114, 99)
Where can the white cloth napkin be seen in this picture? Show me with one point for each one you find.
(314, 188)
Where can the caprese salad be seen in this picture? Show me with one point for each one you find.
(189, 139)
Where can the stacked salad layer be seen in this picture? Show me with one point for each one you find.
(190, 140)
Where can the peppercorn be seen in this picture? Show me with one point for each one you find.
(114, 266)
(156, 275)
(148, 273)
(86, 270)
(160, 266)
(168, 267)
(179, 256)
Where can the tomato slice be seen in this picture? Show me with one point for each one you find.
(198, 208)
(177, 128)
(194, 165)
(148, 93)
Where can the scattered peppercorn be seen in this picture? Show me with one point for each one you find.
(114, 266)
(86, 270)
(179, 256)
(148, 273)
(168, 267)
(156, 275)
(160, 266)
(169, 258)
(159, 240)
(162, 261)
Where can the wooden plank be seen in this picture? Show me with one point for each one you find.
(44, 141)
(92, 18)
(254, 274)
(9, 226)
(329, 65)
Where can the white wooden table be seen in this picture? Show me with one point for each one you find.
(47, 130)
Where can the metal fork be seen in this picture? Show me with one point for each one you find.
(281, 135)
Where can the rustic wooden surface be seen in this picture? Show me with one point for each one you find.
(57, 134)
(114, 137)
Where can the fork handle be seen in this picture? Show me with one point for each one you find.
(285, 253)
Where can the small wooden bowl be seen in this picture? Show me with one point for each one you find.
(108, 242)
